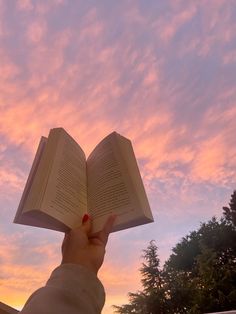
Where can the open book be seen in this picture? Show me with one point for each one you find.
(62, 185)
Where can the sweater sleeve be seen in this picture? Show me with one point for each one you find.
(70, 289)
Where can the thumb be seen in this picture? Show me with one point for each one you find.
(86, 224)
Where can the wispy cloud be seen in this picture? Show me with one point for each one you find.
(161, 73)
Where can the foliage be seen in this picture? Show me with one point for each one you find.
(150, 300)
(198, 277)
(230, 212)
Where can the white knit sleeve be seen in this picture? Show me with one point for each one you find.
(71, 289)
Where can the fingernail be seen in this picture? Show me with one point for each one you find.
(85, 218)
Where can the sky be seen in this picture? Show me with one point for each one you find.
(162, 73)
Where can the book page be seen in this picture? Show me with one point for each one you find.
(33, 171)
(107, 191)
(113, 178)
(134, 176)
(65, 196)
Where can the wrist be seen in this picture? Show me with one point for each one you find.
(81, 262)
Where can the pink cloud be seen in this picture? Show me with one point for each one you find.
(217, 26)
(210, 161)
(230, 57)
(150, 78)
(11, 180)
(91, 28)
(25, 5)
(215, 158)
(168, 26)
(134, 15)
(111, 71)
(8, 68)
(2, 28)
(44, 7)
(36, 31)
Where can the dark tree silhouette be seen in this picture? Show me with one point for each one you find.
(152, 299)
(198, 277)
(230, 212)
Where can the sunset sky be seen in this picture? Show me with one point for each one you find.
(162, 73)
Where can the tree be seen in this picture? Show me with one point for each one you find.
(198, 277)
(230, 212)
(151, 274)
(202, 269)
(153, 281)
(137, 305)
(152, 299)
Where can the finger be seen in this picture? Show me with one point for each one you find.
(64, 242)
(86, 224)
(104, 233)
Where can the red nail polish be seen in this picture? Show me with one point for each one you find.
(85, 218)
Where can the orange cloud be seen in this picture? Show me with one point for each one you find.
(19, 278)
(215, 159)
(127, 279)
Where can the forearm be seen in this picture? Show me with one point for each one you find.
(70, 289)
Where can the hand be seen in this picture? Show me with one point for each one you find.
(79, 247)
